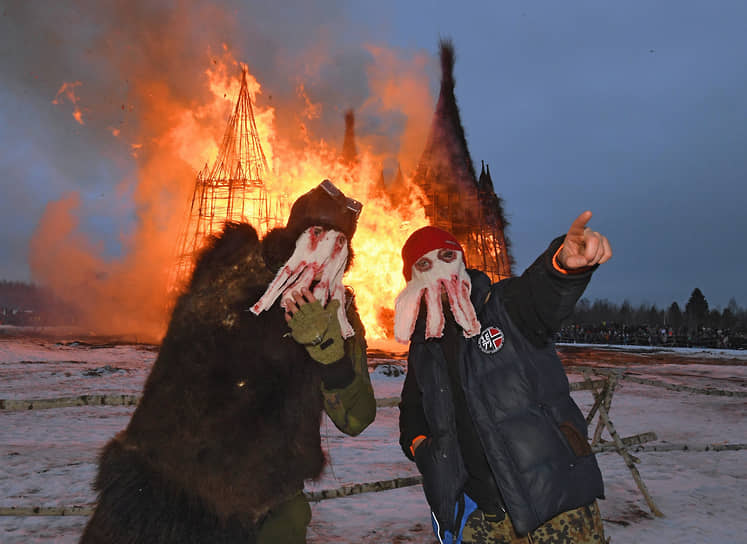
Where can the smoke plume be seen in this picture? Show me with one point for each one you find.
(128, 113)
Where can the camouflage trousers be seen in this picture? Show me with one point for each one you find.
(579, 526)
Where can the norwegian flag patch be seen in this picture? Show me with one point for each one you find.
(490, 340)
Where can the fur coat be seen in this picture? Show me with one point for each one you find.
(228, 425)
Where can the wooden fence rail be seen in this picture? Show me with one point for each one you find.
(600, 382)
(372, 487)
(20, 405)
(686, 388)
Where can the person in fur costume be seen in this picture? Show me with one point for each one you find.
(264, 338)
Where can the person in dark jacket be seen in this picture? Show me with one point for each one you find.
(486, 411)
(227, 429)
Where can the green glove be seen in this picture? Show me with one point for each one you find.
(318, 330)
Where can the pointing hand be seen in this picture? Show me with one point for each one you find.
(583, 246)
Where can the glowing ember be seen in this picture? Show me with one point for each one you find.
(67, 90)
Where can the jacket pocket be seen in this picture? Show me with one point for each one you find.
(566, 435)
(439, 480)
(579, 444)
(424, 458)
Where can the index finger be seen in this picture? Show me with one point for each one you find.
(578, 225)
(308, 295)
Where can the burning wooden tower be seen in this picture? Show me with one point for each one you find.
(455, 199)
(233, 189)
(349, 151)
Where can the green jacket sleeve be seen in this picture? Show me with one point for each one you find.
(352, 408)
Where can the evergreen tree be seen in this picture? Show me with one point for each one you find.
(626, 313)
(728, 318)
(674, 316)
(654, 317)
(583, 306)
(696, 308)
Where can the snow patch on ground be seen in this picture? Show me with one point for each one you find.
(48, 456)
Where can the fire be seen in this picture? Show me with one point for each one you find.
(169, 127)
(376, 274)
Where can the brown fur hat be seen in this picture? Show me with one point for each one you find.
(325, 206)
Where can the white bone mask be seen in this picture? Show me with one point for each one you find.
(319, 253)
(437, 270)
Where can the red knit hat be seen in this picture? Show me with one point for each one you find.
(424, 240)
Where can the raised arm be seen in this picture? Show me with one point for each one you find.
(545, 294)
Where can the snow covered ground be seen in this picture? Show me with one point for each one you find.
(48, 456)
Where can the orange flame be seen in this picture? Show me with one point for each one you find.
(172, 138)
(376, 274)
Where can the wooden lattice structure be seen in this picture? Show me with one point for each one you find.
(233, 189)
(455, 199)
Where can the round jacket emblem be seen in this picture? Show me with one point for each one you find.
(491, 340)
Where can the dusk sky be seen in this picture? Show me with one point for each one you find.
(635, 110)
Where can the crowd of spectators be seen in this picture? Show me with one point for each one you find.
(28, 305)
(644, 335)
(18, 317)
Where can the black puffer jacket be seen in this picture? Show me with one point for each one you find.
(515, 396)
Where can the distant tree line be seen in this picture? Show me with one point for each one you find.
(697, 325)
(600, 322)
(27, 304)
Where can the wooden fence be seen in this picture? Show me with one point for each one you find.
(601, 383)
